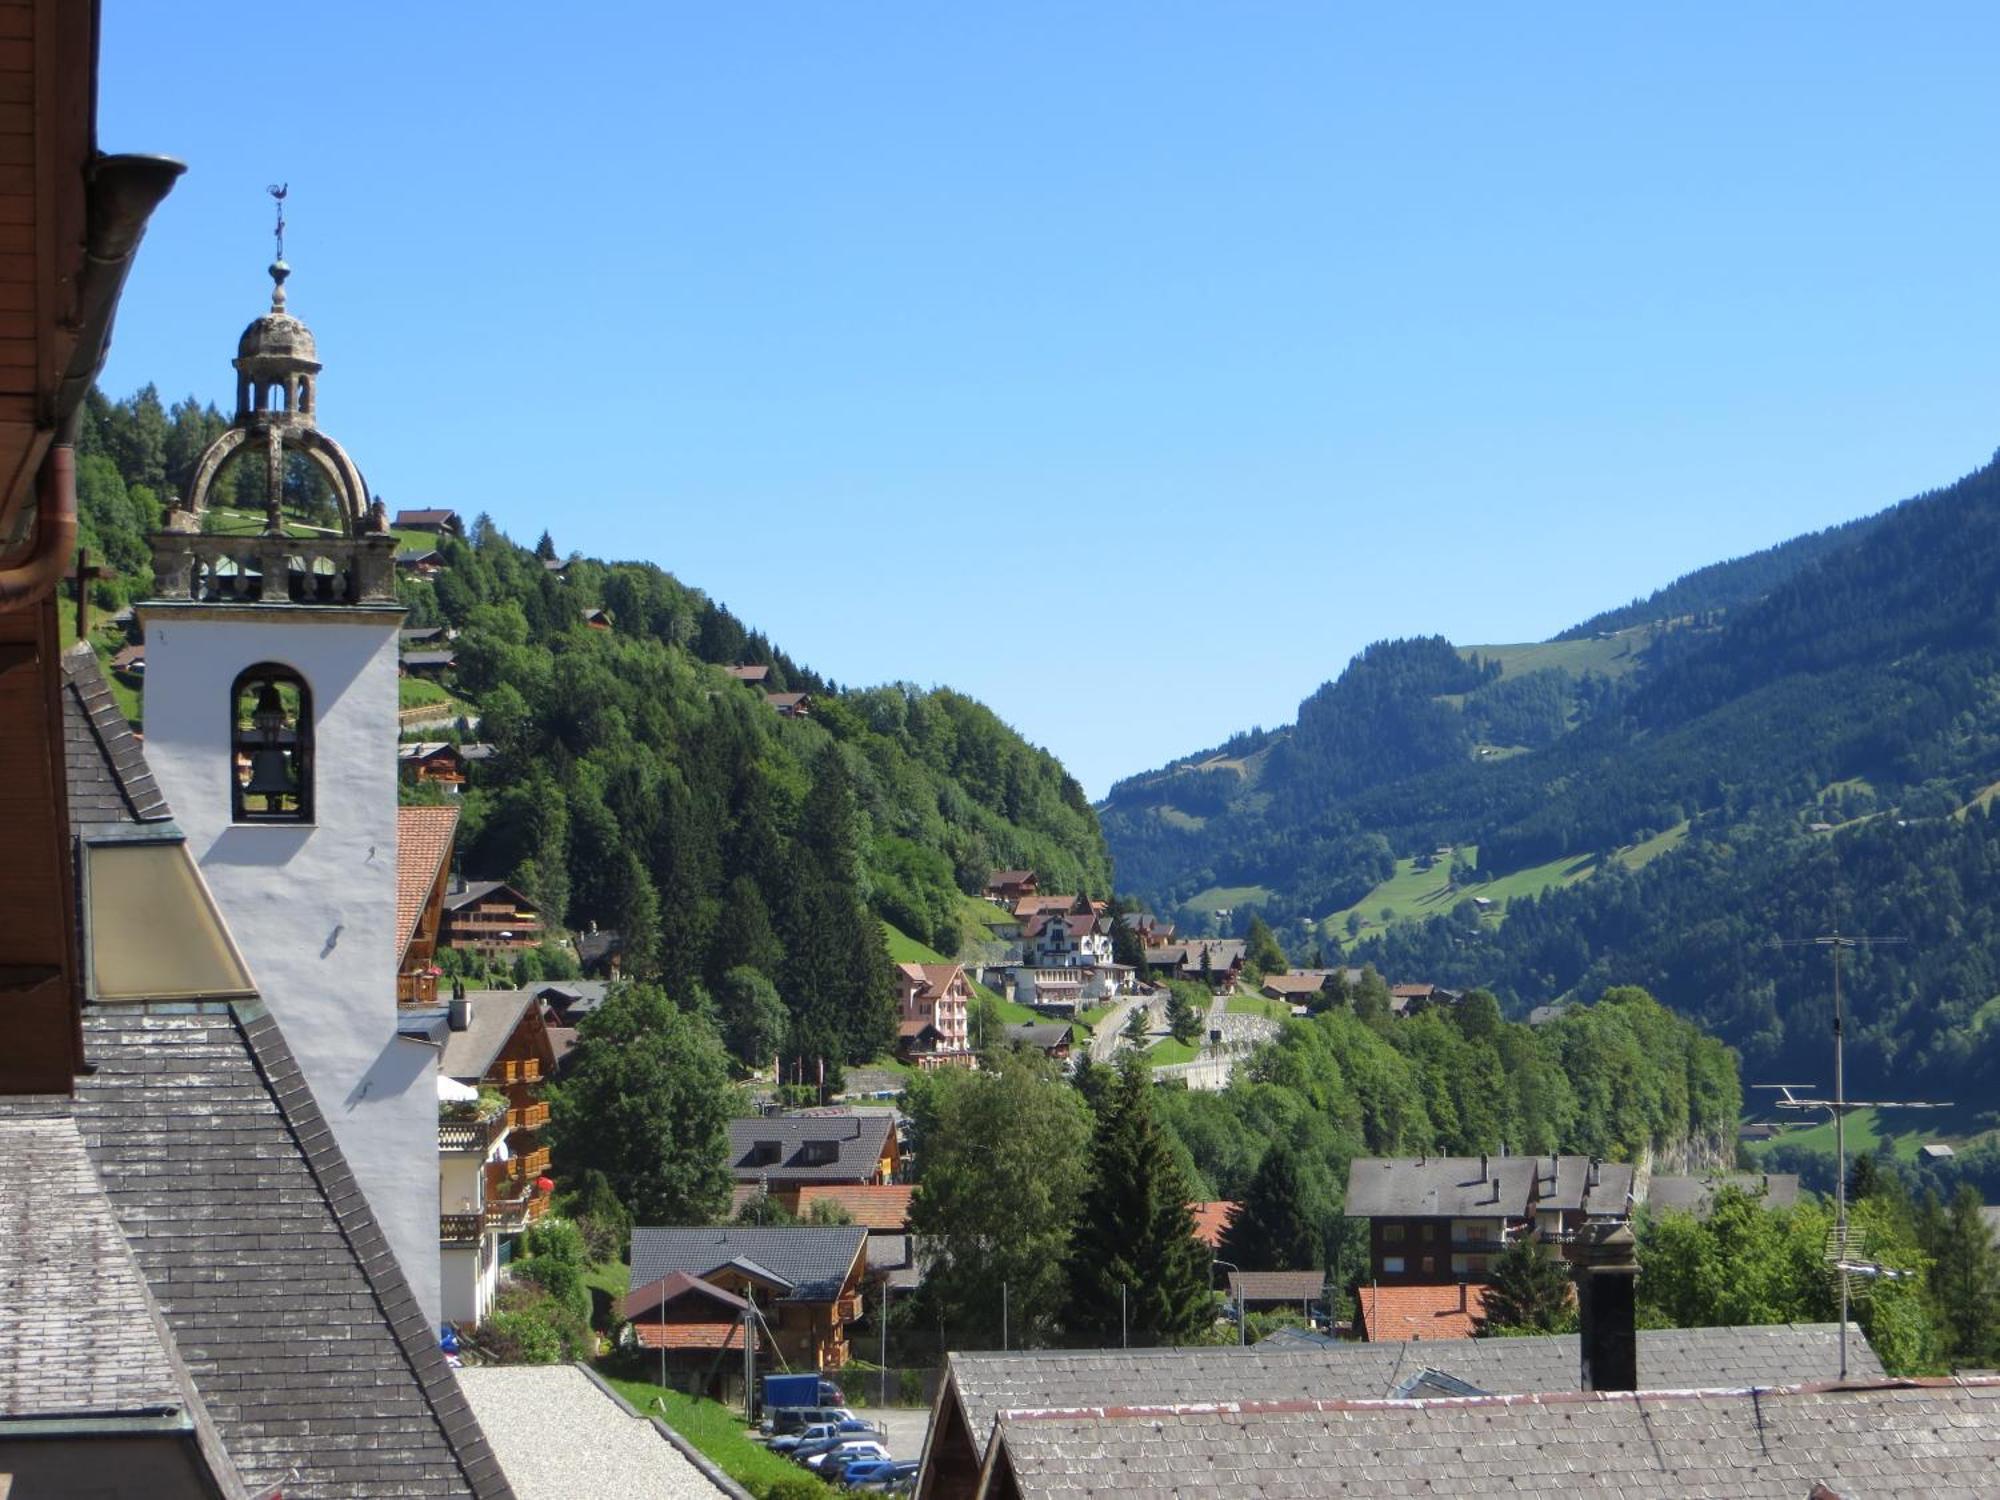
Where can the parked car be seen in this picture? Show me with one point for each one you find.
(873, 1473)
(829, 1464)
(823, 1432)
(842, 1434)
(784, 1420)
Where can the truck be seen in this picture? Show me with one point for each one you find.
(783, 1392)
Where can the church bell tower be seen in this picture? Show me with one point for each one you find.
(270, 723)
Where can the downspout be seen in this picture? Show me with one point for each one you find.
(122, 193)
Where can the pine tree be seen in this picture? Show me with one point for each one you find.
(1965, 1282)
(1529, 1291)
(1269, 1230)
(545, 549)
(1135, 1234)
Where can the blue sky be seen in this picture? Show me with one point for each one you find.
(1128, 366)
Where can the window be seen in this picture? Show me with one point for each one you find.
(1430, 1233)
(1392, 1265)
(270, 722)
(1430, 1265)
(1392, 1234)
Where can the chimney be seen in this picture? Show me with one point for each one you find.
(1606, 1270)
(459, 1014)
(1484, 1172)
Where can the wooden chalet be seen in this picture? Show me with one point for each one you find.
(435, 522)
(424, 837)
(1008, 886)
(436, 763)
(490, 916)
(791, 705)
(806, 1282)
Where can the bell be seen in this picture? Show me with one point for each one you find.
(270, 774)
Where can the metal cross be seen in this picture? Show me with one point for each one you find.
(277, 190)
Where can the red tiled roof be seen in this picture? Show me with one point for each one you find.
(689, 1335)
(1210, 1219)
(423, 844)
(1445, 1310)
(886, 1207)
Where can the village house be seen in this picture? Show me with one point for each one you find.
(933, 1003)
(790, 705)
(1696, 1195)
(435, 522)
(783, 1152)
(1053, 1039)
(431, 664)
(1295, 986)
(805, 1282)
(1211, 1218)
(1063, 992)
(492, 1165)
(1301, 1292)
(424, 838)
(1077, 937)
(1218, 962)
(1005, 887)
(597, 619)
(1150, 930)
(1444, 1219)
(489, 917)
(600, 952)
(435, 763)
(755, 673)
(420, 563)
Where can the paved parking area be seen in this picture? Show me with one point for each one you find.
(906, 1426)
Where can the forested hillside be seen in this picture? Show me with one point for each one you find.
(1809, 741)
(641, 788)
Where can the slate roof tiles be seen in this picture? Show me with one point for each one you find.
(1891, 1442)
(269, 1269)
(108, 780)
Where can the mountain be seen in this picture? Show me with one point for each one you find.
(1766, 749)
(640, 786)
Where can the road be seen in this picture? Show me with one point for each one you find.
(1110, 1033)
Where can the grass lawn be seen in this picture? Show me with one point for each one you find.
(1614, 658)
(904, 949)
(718, 1431)
(106, 639)
(1259, 1005)
(1637, 856)
(1091, 1016)
(1221, 897)
(608, 1276)
(1169, 1050)
(416, 692)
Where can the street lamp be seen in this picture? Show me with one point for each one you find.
(1242, 1338)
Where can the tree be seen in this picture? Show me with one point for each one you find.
(1529, 1291)
(1263, 955)
(545, 548)
(1134, 1247)
(1270, 1230)
(1137, 1022)
(1965, 1281)
(1183, 1017)
(753, 1017)
(646, 1103)
(1000, 1162)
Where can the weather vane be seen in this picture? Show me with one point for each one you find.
(277, 190)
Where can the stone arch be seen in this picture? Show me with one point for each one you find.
(349, 491)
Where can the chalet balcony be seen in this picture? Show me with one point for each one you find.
(416, 989)
(529, 1165)
(471, 1137)
(525, 1070)
(529, 1117)
(460, 1229)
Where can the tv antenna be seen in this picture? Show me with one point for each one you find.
(1843, 1247)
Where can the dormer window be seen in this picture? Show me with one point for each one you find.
(271, 746)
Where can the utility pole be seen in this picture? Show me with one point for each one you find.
(883, 1398)
(1003, 1317)
(1124, 1320)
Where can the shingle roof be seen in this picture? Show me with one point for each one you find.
(108, 780)
(858, 1140)
(879, 1208)
(429, 658)
(1277, 1286)
(1914, 1439)
(423, 844)
(281, 1293)
(494, 1015)
(479, 890)
(814, 1260)
(1439, 1186)
(432, 517)
(1425, 1311)
(1210, 1219)
(77, 1333)
(1696, 1195)
(981, 1386)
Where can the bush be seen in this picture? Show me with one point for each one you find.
(795, 1487)
(910, 1387)
(554, 1239)
(561, 1279)
(531, 1327)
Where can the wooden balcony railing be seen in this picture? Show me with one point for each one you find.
(529, 1165)
(459, 1229)
(416, 989)
(474, 1137)
(529, 1117)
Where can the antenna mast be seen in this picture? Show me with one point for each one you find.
(1841, 1252)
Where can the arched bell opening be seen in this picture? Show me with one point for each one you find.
(270, 738)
